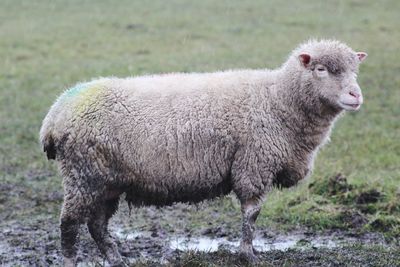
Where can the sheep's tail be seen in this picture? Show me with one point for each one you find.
(49, 147)
(47, 140)
(47, 135)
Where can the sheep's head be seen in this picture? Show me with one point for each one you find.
(331, 69)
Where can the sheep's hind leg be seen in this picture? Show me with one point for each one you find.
(69, 226)
(98, 228)
(250, 210)
(69, 237)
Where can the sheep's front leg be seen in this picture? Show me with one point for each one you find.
(250, 211)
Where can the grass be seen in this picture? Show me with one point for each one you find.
(48, 46)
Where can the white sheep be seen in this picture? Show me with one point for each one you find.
(188, 137)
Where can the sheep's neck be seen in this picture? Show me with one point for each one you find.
(316, 129)
(309, 118)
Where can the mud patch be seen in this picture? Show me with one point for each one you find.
(168, 236)
(352, 218)
(370, 196)
(355, 255)
(179, 235)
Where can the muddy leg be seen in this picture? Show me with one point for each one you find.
(98, 228)
(250, 211)
(69, 237)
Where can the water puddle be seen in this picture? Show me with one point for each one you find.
(207, 244)
(262, 244)
(125, 235)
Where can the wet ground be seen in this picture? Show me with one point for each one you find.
(206, 234)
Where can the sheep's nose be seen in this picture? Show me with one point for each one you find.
(354, 94)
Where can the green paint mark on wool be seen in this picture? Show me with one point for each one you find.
(82, 95)
(76, 90)
(88, 97)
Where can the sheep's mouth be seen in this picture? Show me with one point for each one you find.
(352, 107)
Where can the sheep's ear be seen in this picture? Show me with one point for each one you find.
(305, 59)
(362, 56)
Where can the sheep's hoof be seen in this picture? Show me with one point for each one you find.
(69, 262)
(119, 264)
(249, 257)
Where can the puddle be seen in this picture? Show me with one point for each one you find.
(201, 244)
(124, 235)
(262, 244)
(207, 244)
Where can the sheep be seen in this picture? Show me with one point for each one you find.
(184, 137)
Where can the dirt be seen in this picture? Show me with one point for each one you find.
(30, 237)
(346, 256)
(371, 196)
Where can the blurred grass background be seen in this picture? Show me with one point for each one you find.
(48, 46)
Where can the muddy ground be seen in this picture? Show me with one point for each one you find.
(175, 236)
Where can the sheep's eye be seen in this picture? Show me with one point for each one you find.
(320, 69)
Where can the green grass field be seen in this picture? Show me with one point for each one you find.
(48, 46)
